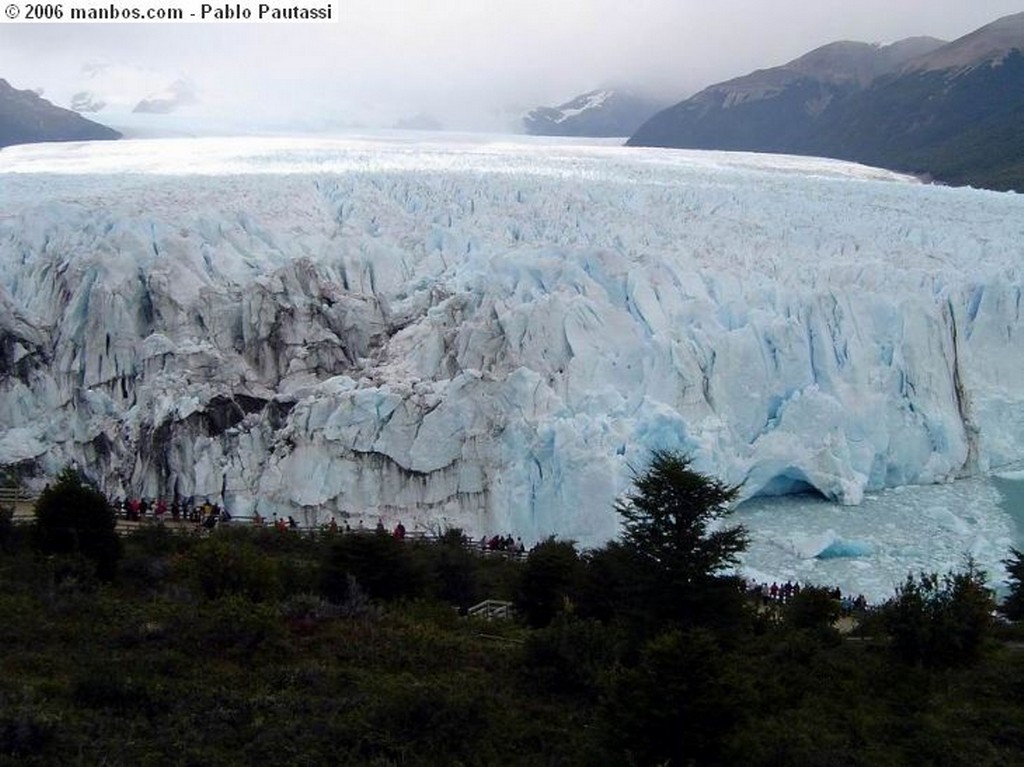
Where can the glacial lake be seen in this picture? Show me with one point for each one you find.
(870, 549)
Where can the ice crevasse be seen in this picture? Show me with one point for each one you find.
(493, 336)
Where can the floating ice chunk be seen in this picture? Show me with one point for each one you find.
(840, 549)
(810, 545)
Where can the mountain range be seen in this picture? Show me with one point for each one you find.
(600, 113)
(951, 111)
(27, 118)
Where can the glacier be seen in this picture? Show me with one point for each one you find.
(493, 334)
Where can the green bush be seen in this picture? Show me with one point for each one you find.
(235, 625)
(71, 575)
(223, 565)
(25, 734)
(382, 566)
(7, 531)
(548, 582)
(571, 656)
(679, 705)
(413, 720)
(109, 686)
(73, 517)
(943, 621)
(451, 570)
(260, 674)
(813, 609)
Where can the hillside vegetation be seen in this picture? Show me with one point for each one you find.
(257, 646)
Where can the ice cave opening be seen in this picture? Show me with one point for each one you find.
(790, 481)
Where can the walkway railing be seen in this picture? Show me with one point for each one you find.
(492, 609)
(23, 505)
(20, 503)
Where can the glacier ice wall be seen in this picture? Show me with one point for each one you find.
(491, 335)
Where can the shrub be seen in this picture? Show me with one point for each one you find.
(812, 609)
(450, 569)
(382, 566)
(73, 517)
(222, 566)
(25, 733)
(571, 656)
(7, 532)
(679, 705)
(940, 621)
(547, 582)
(234, 625)
(109, 686)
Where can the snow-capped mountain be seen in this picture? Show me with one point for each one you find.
(120, 88)
(490, 334)
(178, 94)
(600, 113)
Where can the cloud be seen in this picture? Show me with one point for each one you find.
(468, 62)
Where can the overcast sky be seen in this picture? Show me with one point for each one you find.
(467, 62)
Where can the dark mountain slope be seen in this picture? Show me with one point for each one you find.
(962, 127)
(778, 109)
(25, 118)
(952, 111)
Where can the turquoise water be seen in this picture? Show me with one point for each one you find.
(871, 548)
(1011, 488)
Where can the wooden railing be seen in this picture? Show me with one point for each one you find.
(20, 503)
(23, 505)
(492, 609)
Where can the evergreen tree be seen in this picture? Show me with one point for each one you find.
(1013, 607)
(669, 523)
(668, 518)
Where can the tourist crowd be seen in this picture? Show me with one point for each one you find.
(776, 594)
(205, 514)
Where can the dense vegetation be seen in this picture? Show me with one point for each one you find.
(253, 646)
